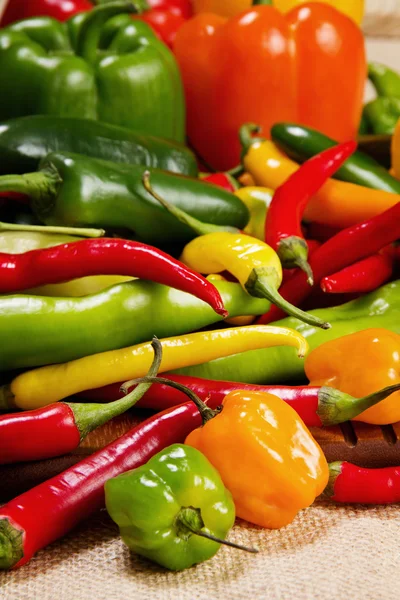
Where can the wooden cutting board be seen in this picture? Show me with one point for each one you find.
(365, 445)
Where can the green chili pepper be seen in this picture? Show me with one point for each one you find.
(302, 143)
(127, 77)
(70, 189)
(26, 140)
(37, 330)
(385, 80)
(382, 114)
(380, 308)
(163, 506)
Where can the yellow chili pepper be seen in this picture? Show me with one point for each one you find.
(45, 385)
(265, 455)
(257, 200)
(255, 264)
(359, 364)
(338, 203)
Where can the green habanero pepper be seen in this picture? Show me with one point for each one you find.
(161, 506)
(68, 70)
(74, 190)
(380, 308)
(37, 330)
(24, 141)
(301, 143)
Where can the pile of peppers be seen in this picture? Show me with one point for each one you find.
(239, 306)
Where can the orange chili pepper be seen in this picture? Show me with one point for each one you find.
(359, 364)
(307, 66)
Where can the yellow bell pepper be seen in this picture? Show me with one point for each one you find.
(359, 364)
(45, 385)
(338, 203)
(257, 200)
(254, 264)
(227, 8)
(265, 455)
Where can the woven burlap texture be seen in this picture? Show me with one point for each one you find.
(328, 552)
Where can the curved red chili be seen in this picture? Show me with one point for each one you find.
(345, 248)
(317, 406)
(73, 495)
(103, 257)
(223, 180)
(350, 483)
(361, 277)
(283, 231)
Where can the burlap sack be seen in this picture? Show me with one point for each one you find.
(328, 552)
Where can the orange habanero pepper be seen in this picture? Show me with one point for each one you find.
(307, 66)
(359, 364)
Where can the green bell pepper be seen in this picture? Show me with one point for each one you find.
(162, 506)
(76, 190)
(86, 68)
(380, 308)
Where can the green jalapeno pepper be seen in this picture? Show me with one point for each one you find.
(25, 141)
(127, 77)
(70, 189)
(38, 330)
(302, 143)
(380, 308)
(162, 506)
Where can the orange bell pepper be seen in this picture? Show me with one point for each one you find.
(359, 364)
(307, 66)
(228, 8)
(265, 455)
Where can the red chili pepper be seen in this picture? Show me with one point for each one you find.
(59, 428)
(317, 406)
(350, 483)
(320, 231)
(345, 248)
(283, 231)
(58, 9)
(103, 257)
(223, 180)
(361, 277)
(73, 495)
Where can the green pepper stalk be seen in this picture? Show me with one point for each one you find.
(163, 507)
(71, 231)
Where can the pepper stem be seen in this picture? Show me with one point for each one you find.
(262, 3)
(90, 416)
(74, 231)
(336, 407)
(262, 284)
(247, 138)
(198, 226)
(37, 185)
(189, 519)
(11, 544)
(335, 469)
(91, 27)
(205, 411)
(293, 252)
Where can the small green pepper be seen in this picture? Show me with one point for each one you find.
(382, 114)
(386, 81)
(164, 507)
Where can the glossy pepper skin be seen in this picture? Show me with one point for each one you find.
(300, 143)
(18, 242)
(73, 189)
(127, 77)
(352, 484)
(337, 204)
(379, 309)
(221, 61)
(43, 386)
(157, 505)
(266, 457)
(375, 363)
(25, 141)
(41, 330)
(16, 10)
